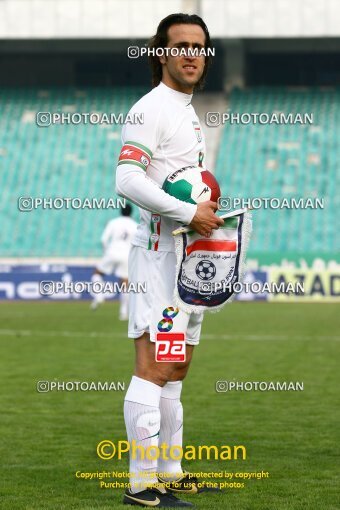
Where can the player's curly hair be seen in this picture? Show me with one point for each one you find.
(160, 40)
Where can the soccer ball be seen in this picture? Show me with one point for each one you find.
(192, 184)
(205, 270)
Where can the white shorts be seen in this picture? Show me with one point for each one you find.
(115, 263)
(158, 271)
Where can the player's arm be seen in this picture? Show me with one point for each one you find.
(139, 143)
(132, 183)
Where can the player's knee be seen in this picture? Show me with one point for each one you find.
(159, 377)
(180, 372)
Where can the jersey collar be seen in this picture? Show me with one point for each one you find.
(185, 99)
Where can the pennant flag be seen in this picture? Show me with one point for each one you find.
(207, 269)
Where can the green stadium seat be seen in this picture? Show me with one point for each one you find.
(285, 161)
(79, 161)
(57, 161)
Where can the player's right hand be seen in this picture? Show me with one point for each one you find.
(205, 219)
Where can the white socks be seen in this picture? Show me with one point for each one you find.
(153, 416)
(142, 421)
(171, 431)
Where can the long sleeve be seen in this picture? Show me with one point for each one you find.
(133, 184)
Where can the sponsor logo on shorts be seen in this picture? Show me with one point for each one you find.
(170, 347)
(166, 323)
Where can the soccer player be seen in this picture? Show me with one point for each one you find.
(169, 139)
(116, 240)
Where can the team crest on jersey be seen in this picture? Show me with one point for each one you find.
(197, 129)
(155, 218)
(200, 159)
(154, 238)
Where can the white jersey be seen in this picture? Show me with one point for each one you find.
(170, 138)
(118, 234)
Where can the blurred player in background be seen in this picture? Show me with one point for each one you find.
(116, 240)
(169, 139)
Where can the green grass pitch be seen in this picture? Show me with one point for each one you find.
(47, 437)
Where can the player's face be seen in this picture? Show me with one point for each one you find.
(183, 72)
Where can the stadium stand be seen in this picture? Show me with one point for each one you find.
(57, 161)
(251, 161)
(285, 161)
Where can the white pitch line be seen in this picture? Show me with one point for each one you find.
(98, 334)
